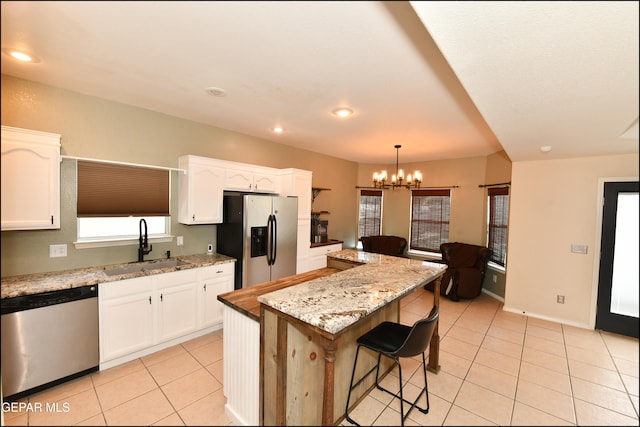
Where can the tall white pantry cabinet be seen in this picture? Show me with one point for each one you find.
(30, 179)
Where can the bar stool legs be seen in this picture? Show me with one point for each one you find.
(398, 395)
(395, 341)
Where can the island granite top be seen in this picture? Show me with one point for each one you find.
(334, 302)
(28, 284)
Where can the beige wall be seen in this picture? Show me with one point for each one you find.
(97, 128)
(554, 203)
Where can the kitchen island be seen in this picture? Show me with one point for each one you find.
(307, 334)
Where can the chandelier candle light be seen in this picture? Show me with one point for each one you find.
(397, 179)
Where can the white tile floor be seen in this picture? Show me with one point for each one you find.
(497, 368)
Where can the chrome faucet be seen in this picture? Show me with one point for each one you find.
(143, 248)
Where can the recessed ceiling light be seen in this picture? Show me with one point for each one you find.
(21, 55)
(545, 148)
(343, 112)
(216, 91)
(278, 129)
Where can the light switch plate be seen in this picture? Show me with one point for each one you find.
(56, 251)
(579, 249)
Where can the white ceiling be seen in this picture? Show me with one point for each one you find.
(511, 75)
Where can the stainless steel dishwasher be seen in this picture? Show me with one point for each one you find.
(48, 338)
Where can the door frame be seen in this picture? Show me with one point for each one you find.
(598, 244)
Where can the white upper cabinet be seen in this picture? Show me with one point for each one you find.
(297, 182)
(251, 178)
(30, 179)
(201, 190)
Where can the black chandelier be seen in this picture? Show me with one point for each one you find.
(380, 179)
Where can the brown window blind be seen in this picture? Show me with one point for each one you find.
(430, 211)
(370, 217)
(109, 190)
(498, 221)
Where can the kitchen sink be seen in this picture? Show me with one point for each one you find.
(144, 266)
(158, 265)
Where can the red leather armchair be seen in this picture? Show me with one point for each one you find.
(467, 265)
(387, 245)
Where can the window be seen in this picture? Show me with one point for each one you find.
(497, 224)
(370, 217)
(430, 211)
(112, 198)
(119, 228)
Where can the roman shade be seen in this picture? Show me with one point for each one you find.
(111, 190)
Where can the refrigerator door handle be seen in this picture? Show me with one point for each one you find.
(270, 240)
(274, 239)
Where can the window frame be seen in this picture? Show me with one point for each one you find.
(496, 261)
(122, 184)
(378, 209)
(413, 247)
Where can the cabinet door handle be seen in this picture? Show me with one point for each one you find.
(205, 287)
(193, 218)
(160, 297)
(51, 219)
(149, 300)
(219, 271)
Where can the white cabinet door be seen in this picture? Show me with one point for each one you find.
(176, 297)
(214, 280)
(200, 191)
(126, 317)
(250, 179)
(238, 179)
(30, 179)
(297, 182)
(318, 255)
(264, 182)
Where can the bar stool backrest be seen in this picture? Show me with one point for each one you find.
(419, 337)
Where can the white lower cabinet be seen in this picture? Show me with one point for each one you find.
(177, 298)
(126, 314)
(318, 255)
(215, 280)
(142, 315)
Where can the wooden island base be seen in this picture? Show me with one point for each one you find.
(282, 370)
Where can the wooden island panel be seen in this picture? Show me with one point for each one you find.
(306, 375)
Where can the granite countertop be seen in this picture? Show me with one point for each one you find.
(334, 302)
(28, 284)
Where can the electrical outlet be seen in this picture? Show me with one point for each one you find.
(560, 299)
(180, 240)
(56, 251)
(210, 248)
(495, 278)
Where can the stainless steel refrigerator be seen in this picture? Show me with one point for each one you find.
(260, 232)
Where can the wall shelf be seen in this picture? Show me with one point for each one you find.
(315, 191)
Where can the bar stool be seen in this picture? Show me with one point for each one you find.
(396, 341)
